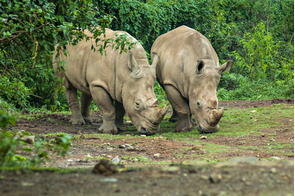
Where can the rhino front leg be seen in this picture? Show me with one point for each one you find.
(181, 108)
(86, 101)
(72, 98)
(120, 112)
(105, 104)
(174, 116)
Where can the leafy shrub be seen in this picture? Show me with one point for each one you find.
(10, 143)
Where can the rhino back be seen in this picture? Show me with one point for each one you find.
(179, 51)
(85, 68)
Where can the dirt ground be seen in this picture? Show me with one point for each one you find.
(248, 175)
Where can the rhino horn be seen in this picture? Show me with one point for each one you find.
(155, 60)
(216, 116)
(131, 63)
(161, 113)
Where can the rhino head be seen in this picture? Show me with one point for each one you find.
(203, 100)
(139, 99)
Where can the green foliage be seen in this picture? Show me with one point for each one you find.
(237, 87)
(257, 34)
(262, 56)
(29, 30)
(11, 142)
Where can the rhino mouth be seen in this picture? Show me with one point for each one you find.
(148, 128)
(204, 127)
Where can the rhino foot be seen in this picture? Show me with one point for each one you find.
(75, 121)
(184, 129)
(108, 129)
(122, 128)
(88, 119)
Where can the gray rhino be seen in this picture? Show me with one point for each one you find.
(116, 82)
(189, 72)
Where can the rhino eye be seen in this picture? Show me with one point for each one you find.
(138, 105)
(198, 103)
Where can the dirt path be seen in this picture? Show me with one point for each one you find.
(216, 174)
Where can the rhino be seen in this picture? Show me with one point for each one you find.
(188, 70)
(119, 83)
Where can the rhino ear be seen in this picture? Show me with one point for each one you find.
(200, 66)
(155, 59)
(131, 63)
(224, 67)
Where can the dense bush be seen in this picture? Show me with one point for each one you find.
(29, 30)
(257, 34)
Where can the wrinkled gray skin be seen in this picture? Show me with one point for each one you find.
(126, 79)
(189, 72)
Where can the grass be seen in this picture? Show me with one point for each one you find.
(247, 124)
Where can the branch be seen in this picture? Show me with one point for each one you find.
(4, 39)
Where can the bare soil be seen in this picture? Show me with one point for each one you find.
(151, 157)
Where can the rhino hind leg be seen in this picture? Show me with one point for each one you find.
(86, 101)
(181, 108)
(72, 98)
(105, 104)
(120, 112)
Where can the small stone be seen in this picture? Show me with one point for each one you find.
(158, 138)
(205, 177)
(215, 178)
(143, 135)
(28, 139)
(253, 111)
(171, 169)
(276, 158)
(108, 180)
(157, 155)
(203, 138)
(130, 148)
(203, 151)
(27, 184)
(193, 170)
(263, 135)
(116, 160)
(273, 170)
(197, 147)
(122, 146)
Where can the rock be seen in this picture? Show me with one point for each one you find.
(157, 155)
(273, 170)
(143, 135)
(122, 146)
(215, 178)
(116, 160)
(28, 139)
(197, 147)
(27, 184)
(263, 135)
(253, 111)
(108, 180)
(130, 148)
(171, 169)
(104, 167)
(158, 138)
(202, 151)
(276, 158)
(203, 138)
(243, 160)
(193, 170)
